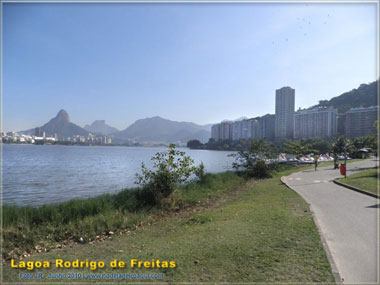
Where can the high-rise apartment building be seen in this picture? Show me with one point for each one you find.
(255, 128)
(222, 131)
(215, 132)
(226, 131)
(284, 116)
(341, 124)
(245, 129)
(237, 130)
(315, 123)
(37, 132)
(266, 126)
(361, 121)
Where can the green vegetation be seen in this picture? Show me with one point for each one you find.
(254, 160)
(28, 229)
(228, 230)
(301, 147)
(366, 180)
(365, 95)
(238, 145)
(353, 146)
(170, 168)
(298, 148)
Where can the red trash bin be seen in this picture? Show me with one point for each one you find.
(343, 169)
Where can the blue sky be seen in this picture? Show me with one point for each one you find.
(186, 62)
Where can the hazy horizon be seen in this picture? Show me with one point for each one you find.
(194, 62)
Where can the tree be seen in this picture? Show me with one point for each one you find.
(256, 159)
(373, 143)
(298, 148)
(338, 144)
(194, 144)
(321, 145)
(341, 144)
(358, 143)
(170, 168)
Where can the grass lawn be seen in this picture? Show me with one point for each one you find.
(260, 232)
(366, 180)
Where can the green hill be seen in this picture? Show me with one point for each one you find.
(365, 96)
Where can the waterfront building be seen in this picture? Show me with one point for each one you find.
(255, 128)
(284, 116)
(255, 131)
(266, 127)
(245, 129)
(361, 121)
(215, 130)
(222, 131)
(225, 131)
(341, 124)
(237, 130)
(37, 132)
(315, 123)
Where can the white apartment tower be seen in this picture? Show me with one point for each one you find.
(315, 123)
(284, 116)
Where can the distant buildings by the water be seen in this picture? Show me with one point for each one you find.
(315, 123)
(41, 138)
(286, 124)
(360, 121)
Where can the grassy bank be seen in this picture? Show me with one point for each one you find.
(28, 229)
(226, 230)
(366, 180)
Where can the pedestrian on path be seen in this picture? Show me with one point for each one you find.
(316, 161)
(336, 161)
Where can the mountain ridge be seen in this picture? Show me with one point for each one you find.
(100, 127)
(61, 126)
(363, 96)
(158, 129)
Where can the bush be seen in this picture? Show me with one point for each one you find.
(171, 168)
(256, 159)
(200, 171)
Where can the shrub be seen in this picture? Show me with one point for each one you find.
(200, 171)
(171, 167)
(256, 160)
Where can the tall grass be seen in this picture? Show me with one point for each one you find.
(24, 228)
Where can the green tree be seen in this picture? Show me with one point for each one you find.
(298, 148)
(321, 145)
(256, 159)
(194, 144)
(170, 168)
(338, 144)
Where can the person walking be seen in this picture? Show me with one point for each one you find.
(336, 161)
(316, 161)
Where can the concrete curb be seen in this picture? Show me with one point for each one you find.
(334, 268)
(355, 189)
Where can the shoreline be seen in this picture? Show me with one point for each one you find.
(236, 214)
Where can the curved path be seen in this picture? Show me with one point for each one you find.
(348, 220)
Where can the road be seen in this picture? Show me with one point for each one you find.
(347, 220)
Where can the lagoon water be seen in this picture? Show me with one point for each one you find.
(42, 174)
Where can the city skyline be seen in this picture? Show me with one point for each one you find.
(185, 57)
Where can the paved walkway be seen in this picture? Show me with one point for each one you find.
(347, 219)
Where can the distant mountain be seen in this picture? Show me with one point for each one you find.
(157, 129)
(100, 127)
(61, 126)
(365, 95)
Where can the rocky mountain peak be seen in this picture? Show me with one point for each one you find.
(63, 116)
